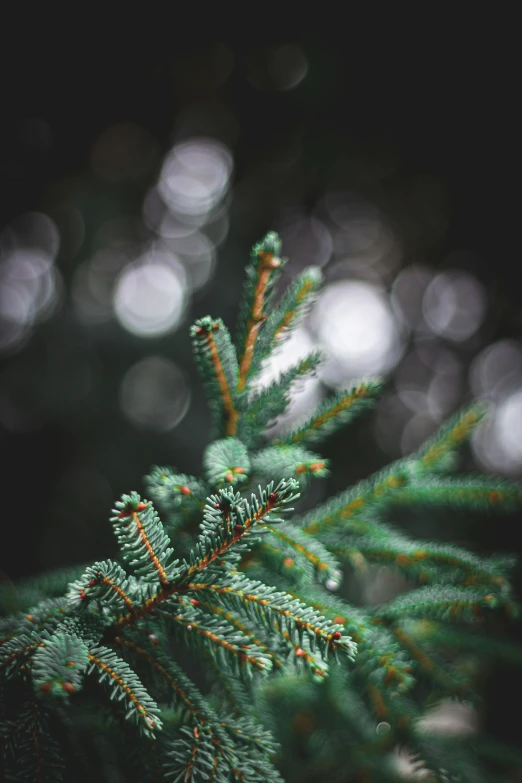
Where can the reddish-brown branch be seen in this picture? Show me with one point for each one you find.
(150, 551)
(226, 395)
(267, 263)
(143, 713)
(162, 595)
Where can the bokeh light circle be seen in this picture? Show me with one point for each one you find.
(355, 326)
(454, 305)
(155, 394)
(195, 175)
(149, 298)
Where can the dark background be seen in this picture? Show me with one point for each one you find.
(417, 116)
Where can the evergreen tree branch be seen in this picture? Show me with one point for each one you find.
(448, 603)
(268, 606)
(125, 686)
(226, 463)
(382, 485)
(415, 556)
(333, 413)
(236, 623)
(467, 492)
(143, 541)
(262, 274)
(268, 403)
(221, 640)
(218, 365)
(290, 310)
(291, 540)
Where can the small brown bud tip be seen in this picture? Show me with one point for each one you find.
(196, 732)
(300, 469)
(92, 583)
(238, 529)
(83, 595)
(215, 327)
(185, 491)
(68, 687)
(336, 635)
(238, 470)
(29, 617)
(272, 497)
(288, 562)
(300, 652)
(217, 505)
(71, 664)
(339, 620)
(229, 476)
(125, 513)
(200, 330)
(141, 507)
(194, 601)
(315, 466)
(45, 687)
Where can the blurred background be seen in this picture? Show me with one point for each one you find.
(140, 162)
(137, 168)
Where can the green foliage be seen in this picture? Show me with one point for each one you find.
(226, 462)
(251, 592)
(336, 411)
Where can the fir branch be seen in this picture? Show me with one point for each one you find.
(290, 310)
(175, 492)
(182, 688)
(59, 664)
(217, 362)
(224, 642)
(143, 541)
(432, 455)
(280, 611)
(414, 557)
(105, 581)
(262, 274)
(467, 492)
(279, 462)
(226, 462)
(382, 485)
(449, 604)
(351, 502)
(194, 757)
(15, 652)
(229, 517)
(333, 413)
(270, 402)
(292, 541)
(125, 686)
(236, 623)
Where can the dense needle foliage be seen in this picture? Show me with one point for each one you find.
(92, 669)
